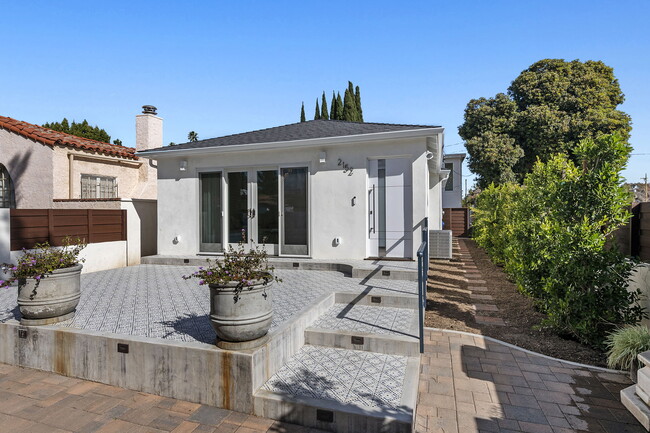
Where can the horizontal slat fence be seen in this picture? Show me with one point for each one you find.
(32, 226)
(456, 219)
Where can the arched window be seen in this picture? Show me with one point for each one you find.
(7, 196)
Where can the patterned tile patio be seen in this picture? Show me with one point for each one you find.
(155, 301)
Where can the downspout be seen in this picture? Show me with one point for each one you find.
(70, 176)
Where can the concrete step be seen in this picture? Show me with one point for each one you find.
(387, 330)
(342, 391)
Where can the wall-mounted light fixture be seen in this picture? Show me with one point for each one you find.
(322, 157)
(183, 165)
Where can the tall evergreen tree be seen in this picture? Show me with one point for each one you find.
(333, 115)
(302, 113)
(357, 101)
(349, 107)
(317, 111)
(323, 112)
(339, 107)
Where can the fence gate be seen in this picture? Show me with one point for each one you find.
(456, 219)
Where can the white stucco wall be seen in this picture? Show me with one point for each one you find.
(5, 239)
(29, 164)
(641, 280)
(331, 192)
(99, 257)
(141, 229)
(454, 198)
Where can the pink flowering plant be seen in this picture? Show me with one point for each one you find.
(245, 268)
(42, 260)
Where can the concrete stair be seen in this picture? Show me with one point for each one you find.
(357, 372)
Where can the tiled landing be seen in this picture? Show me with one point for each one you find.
(344, 376)
(342, 390)
(371, 320)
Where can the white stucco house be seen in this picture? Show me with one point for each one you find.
(323, 189)
(452, 193)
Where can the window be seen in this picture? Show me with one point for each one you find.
(93, 186)
(7, 198)
(449, 186)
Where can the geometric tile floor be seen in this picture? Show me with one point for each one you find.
(155, 301)
(363, 318)
(345, 376)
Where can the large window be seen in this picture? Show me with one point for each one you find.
(93, 186)
(449, 186)
(7, 198)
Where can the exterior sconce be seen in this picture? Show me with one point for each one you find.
(322, 157)
(183, 165)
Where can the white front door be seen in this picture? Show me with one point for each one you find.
(390, 206)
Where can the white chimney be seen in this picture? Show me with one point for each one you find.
(148, 129)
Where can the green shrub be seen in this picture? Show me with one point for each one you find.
(551, 235)
(624, 344)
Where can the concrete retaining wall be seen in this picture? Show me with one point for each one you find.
(641, 280)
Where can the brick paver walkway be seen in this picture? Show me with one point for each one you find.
(469, 384)
(33, 401)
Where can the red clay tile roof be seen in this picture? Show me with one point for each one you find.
(51, 138)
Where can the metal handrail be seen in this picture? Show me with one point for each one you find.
(423, 274)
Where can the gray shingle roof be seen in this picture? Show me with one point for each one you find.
(297, 131)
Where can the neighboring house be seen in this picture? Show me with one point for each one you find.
(323, 189)
(452, 194)
(42, 168)
(45, 169)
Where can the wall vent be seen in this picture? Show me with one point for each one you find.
(440, 244)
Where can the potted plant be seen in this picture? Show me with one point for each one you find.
(624, 345)
(49, 282)
(240, 305)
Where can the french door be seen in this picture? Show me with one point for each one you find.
(251, 206)
(390, 231)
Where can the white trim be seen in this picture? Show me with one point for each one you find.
(311, 142)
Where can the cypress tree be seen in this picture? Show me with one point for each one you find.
(333, 107)
(349, 107)
(302, 113)
(317, 112)
(323, 112)
(339, 107)
(357, 101)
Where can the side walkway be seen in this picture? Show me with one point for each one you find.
(33, 401)
(469, 383)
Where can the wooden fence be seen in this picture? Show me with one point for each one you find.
(456, 219)
(32, 226)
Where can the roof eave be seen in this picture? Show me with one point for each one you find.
(311, 142)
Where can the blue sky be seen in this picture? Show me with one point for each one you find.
(225, 67)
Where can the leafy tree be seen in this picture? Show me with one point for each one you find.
(82, 129)
(357, 101)
(302, 113)
(548, 109)
(192, 136)
(323, 112)
(171, 143)
(317, 111)
(117, 141)
(552, 234)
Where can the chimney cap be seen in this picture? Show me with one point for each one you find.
(149, 109)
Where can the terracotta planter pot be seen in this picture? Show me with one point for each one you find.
(53, 300)
(243, 323)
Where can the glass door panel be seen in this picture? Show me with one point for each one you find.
(266, 210)
(211, 217)
(239, 212)
(295, 211)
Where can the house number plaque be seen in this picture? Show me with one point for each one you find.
(346, 168)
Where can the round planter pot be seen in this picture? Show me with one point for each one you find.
(242, 324)
(53, 300)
